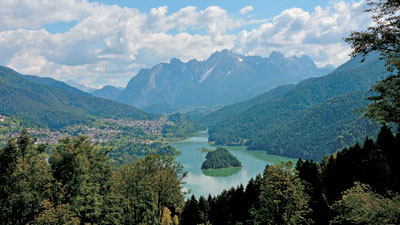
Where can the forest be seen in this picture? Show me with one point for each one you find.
(78, 184)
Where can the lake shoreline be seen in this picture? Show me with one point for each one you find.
(200, 184)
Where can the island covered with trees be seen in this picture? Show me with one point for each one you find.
(220, 163)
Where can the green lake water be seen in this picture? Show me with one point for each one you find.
(192, 157)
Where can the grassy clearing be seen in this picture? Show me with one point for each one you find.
(221, 172)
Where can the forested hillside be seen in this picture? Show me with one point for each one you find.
(38, 104)
(313, 119)
(50, 82)
(230, 110)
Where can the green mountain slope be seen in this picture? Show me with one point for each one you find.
(42, 105)
(50, 82)
(237, 108)
(307, 120)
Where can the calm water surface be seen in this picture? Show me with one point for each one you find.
(199, 184)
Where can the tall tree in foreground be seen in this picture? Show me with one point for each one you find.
(282, 198)
(384, 38)
(148, 190)
(81, 168)
(25, 181)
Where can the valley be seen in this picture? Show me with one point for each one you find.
(200, 112)
(308, 120)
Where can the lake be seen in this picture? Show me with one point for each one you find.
(192, 157)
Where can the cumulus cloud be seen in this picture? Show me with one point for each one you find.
(34, 14)
(246, 9)
(109, 44)
(318, 34)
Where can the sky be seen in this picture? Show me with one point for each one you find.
(101, 42)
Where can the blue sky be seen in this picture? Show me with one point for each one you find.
(108, 41)
(262, 8)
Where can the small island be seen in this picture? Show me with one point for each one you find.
(220, 163)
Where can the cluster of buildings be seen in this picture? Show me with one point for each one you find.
(2, 118)
(95, 134)
(104, 133)
(148, 126)
(46, 135)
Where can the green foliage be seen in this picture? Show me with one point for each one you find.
(385, 106)
(282, 199)
(83, 172)
(25, 181)
(382, 37)
(78, 185)
(220, 158)
(360, 205)
(52, 215)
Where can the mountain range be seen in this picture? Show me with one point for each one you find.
(50, 103)
(222, 79)
(309, 120)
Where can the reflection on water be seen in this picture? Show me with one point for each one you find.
(199, 184)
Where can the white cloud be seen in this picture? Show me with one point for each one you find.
(246, 9)
(318, 34)
(34, 14)
(109, 44)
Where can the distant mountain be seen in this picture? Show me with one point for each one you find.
(224, 78)
(80, 86)
(50, 82)
(309, 120)
(107, 92)
(42, 105)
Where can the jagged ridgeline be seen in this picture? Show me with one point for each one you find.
(224, 78)
(309, 120)
(50, 103)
